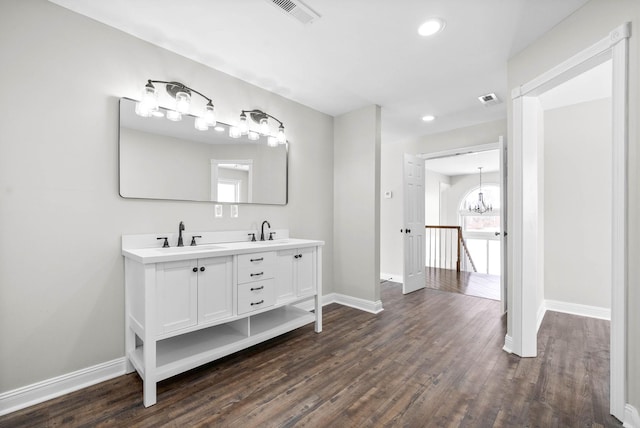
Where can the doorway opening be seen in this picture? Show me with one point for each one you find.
(527, 300)
(463, 222)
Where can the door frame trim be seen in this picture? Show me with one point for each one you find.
(524, 210)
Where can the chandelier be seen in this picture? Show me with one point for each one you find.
(148, 104)
(481, 206)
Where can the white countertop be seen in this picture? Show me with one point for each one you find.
(155, 255)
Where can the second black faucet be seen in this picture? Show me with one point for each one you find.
(180, 229)
(262, 229)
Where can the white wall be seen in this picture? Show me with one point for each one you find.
(432, 201)
(583, 28)
(577, 213)
(61, 272)
(357, 204)
(391, 180)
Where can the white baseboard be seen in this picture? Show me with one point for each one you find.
(508, 344)
(357, 303)
(631, 417)
(577, 309)
(51, 388)
(540, 315)
(391, 277)
(342, 299)
(308, 305)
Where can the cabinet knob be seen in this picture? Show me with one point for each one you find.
(298, 256)
(202, 269)
(195, 269)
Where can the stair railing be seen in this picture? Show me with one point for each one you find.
(445, 245)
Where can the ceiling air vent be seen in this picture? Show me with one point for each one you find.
(296, 9)
(489, 99)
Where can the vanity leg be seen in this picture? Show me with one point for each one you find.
(149, 391)
(318, 309)
(129, 346)
(318, 298)
(149, 381)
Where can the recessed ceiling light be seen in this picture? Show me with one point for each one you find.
(431, 27)
(428, 118)
(219, 128)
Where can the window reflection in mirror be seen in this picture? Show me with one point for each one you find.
(161, 159)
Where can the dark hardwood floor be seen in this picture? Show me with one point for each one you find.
(469, 283)
(431, 358)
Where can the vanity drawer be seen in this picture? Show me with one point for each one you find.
(256, 259)
(252, 274)
(255, 295)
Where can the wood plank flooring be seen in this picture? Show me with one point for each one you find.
(469, 283)
(431, 358)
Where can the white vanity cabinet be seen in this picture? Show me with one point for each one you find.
(188, 306)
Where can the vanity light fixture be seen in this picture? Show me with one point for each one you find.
(431, 27)
(148, 105)
(262, 119)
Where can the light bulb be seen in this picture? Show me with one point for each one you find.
(243, 126)
(272, 141)
(209, 115)
(201, 124)
(253, 135)
(183, 100)
(174, 115)
(264, 126)
(234, 132)
(148, 101)
(142, 110)
(281, 137)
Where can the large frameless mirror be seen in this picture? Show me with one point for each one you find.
(164, 159)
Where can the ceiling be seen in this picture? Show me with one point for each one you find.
(358, 53)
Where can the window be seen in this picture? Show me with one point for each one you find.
(228, 190)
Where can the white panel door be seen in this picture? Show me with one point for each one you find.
(177, 295)
(285, 286)
(215, 288)
(413, 231)
(305, 271)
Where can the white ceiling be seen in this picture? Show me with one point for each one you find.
(360, 52)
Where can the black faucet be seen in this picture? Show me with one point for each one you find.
(180, 229)
(262, 231)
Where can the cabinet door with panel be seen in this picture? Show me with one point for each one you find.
(176, 295)
(304, 261)
(285, 287)
(215, 288)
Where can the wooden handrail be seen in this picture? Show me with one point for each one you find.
(466, 251)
